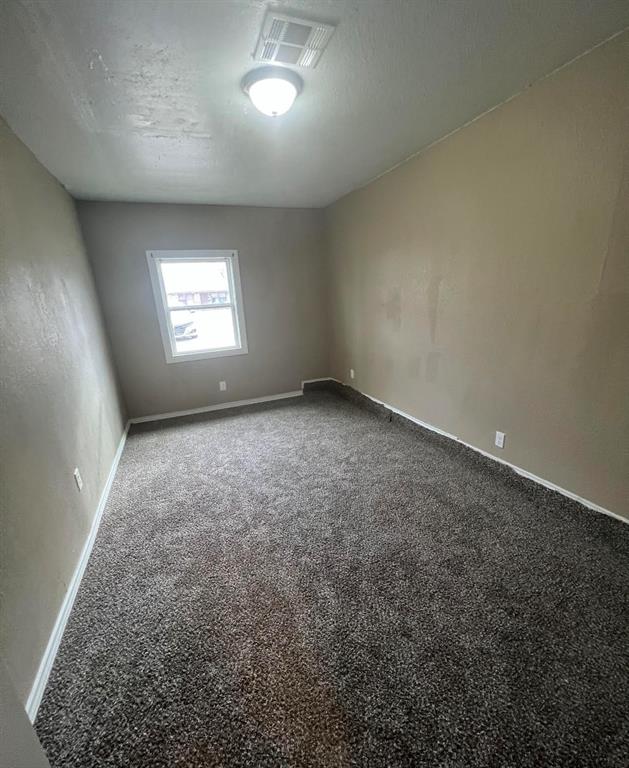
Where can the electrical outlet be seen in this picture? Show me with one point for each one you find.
(78, 479)
(222, 385)
(352, 374)
(500, 439)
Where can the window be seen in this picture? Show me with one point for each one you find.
(199, 303)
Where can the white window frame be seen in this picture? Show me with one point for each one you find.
(154, 259)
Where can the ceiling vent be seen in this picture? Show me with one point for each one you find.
(288, 40)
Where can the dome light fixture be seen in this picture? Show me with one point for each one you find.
(272, 90)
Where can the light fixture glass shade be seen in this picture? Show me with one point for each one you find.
(272, 90)
(273, 97)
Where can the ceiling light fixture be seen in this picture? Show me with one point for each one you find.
(272, 90)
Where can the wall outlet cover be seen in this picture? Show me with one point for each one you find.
(78, 479)
(500, 439)
(351, 373)
(222, 385)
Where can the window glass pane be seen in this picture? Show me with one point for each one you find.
(197, 330)
(195, 282)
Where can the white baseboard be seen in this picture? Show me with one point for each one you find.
(41, 678)
(45, 666)
(218, 407)
(523, 472)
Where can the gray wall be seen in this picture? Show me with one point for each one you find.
(59, 406)
(484, 284)
(281, 263)
(19, 745)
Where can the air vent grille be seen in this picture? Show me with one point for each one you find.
(289, 40)
(268, 51)
(277, 27)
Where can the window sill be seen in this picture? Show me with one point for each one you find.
(187, 358)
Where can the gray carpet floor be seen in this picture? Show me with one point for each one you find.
(309, 584)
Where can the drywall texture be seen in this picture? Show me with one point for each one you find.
(484, 284)
(281, 261)
(59, 407)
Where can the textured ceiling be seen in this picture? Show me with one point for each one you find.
(140, 99)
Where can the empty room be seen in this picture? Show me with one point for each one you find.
(314, 383)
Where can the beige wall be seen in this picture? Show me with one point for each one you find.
(58, 409)
(281, 259)
(484, 284)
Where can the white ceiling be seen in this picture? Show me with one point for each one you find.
(140, 99)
